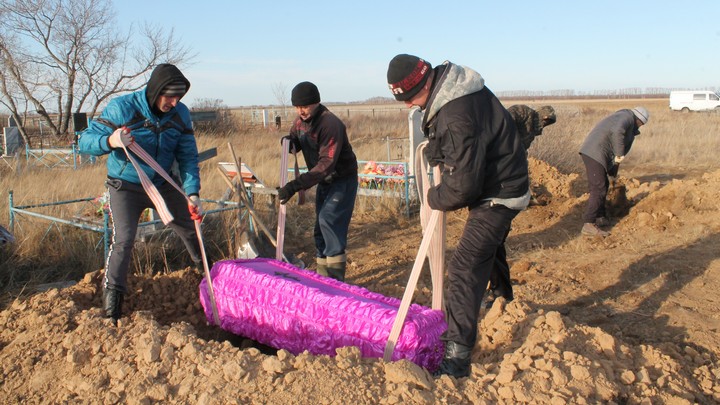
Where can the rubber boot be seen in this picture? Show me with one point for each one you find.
(336, 266)
(322, 267)
(112, 303)
(456, 361)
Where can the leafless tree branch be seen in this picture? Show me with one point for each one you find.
(67, 56)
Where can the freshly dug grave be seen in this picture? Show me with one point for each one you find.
(631, 318)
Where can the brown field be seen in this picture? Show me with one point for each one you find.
(630, 319)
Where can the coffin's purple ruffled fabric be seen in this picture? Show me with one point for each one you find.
(280, 305)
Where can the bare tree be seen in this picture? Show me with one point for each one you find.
(64, 56)
(280, 91)
(208, 104)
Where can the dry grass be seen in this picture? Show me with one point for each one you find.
(45, 253)
(670, 139)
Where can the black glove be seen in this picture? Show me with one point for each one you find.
(613, 172)
(294, 145)
(286, 192)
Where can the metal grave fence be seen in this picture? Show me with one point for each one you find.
(100, 223)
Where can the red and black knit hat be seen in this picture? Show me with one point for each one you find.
(406, 75)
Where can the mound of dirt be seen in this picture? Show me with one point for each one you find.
(547, 182)
(632, 318)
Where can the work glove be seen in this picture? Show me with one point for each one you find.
(613, 172)
(286, 192)
(294, 145)
(195, 208)
(121, 137)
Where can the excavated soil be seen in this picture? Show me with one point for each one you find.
(628, 319)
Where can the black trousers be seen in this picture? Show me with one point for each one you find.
(481, 248)
(598, 184)
(500, 282)
(127, 202)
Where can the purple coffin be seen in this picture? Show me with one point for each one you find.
(285, 307)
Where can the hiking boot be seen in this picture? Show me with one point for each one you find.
(602, 222)
(112, 303)
(590, 229)
(456, 361)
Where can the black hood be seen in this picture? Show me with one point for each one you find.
(163, 75)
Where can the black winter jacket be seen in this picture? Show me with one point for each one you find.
(325, 146)
(474, 137)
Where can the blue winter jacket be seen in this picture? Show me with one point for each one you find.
(166, 139)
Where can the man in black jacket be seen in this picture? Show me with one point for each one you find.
(484, 169)
(332, 164)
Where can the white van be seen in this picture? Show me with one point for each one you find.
(699, 100)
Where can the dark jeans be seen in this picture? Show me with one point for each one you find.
(334, 205)
(127, 202)
(598, 184)
(481, 248)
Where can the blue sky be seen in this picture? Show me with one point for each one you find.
(247, 48)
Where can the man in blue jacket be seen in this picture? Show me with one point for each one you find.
(155, 119)
(483, 168)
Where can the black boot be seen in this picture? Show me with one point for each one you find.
(456, 361)
(112, 303)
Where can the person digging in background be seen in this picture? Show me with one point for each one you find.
(530, 122)
(156, 120)
(484, 169)
(603, 150)
(333, 167)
